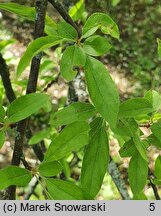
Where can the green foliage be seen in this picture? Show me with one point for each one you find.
(28, 13)
(159, 46)
(49, 169)
(96, 45)
(34, 48)
(126, 127)
(80, 132)
(63, 190)
(134, 107)
(2, 138)
(5, 43)
(115, 2)
(2, 113)
(156, 129)
(139, 196)
(154, 98)
(71, 138)
(158, 167)
(102, 90)
(72, 113)
(66, 31)
(140, 146)
(13, 175)
(96, 158)
(138, 172)
(156, 182)
(78, 11)
(20, 10)
(25, 106)
(39, 136)
(153, 140)
(72, 56)
(128, 149)
(100, 21)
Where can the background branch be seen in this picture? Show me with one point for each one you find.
(119, 182)
(31, 87)
(4, 72)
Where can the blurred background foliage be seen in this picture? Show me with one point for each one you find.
(139, 22)
(132, 61)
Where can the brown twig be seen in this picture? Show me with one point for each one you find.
(38, 32)
(4, 72)
(31, 87)
(51, 83)
(58, 6)
(25, 163)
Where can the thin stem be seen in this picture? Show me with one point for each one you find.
(4, 72)
(25, 163)
(58, 6)
(51, 83)
(44, 188)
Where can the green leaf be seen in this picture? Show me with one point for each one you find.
(50, 26)
(156, 182)
(39, 136)
(25, 106)
(140, 196)
(129, 128)
(74, 112)
(102, 90)
(5, 43)
(128, 149)
(95, 159)
(2, 113)
(72, 56)
(159, 46)
(140, 146)
(157, 171)
(96, 45)
(64, 190)
(154, 98)
(34, 48)
(134, 107)
(100, 21)
(20, 10)
(156, 130)
(71, 138)
(78, 11)
(67, 31)
(2, 138)
(138, 173)
(13, 175)
(26, 12)
(115, 2)
(153, 140)
(49, 169)
(126, 127)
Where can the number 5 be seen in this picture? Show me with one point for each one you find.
(152, 207)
